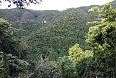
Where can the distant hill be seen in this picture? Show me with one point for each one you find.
(27, 21)
(50, 32)
(65, 30)
(86, 8)
(113, 3)
(18, 14)
(26, 14)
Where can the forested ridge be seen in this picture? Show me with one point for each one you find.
(73, 43)
(63, 32)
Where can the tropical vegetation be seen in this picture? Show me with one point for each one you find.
(74, 43)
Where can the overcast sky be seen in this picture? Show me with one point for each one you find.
(63, 4)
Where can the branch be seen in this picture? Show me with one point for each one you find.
(21, 3)
(1, 60)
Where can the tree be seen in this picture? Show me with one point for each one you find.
(10, 52)
(77, 54)
(8, 42)
(21, 3)
(102, 37)
(86, 68)
(67, 67)
(46, 69)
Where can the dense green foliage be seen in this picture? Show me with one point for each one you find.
(53, 43)
(10, 52)
(18, 14)
(46, 69)
(67, 67)
(78, 54)
(102, 37)
(63, 32)
(27, 21)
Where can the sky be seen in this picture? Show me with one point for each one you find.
(61, 4)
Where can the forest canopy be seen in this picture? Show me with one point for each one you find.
(73, 43)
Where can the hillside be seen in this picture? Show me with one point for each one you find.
(50, 32)
(67, 28)
(73, 43)
(27, 21)
(16, 14)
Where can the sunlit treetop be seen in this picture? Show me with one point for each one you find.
(21, 3)
(103, 34)
(107, 12)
